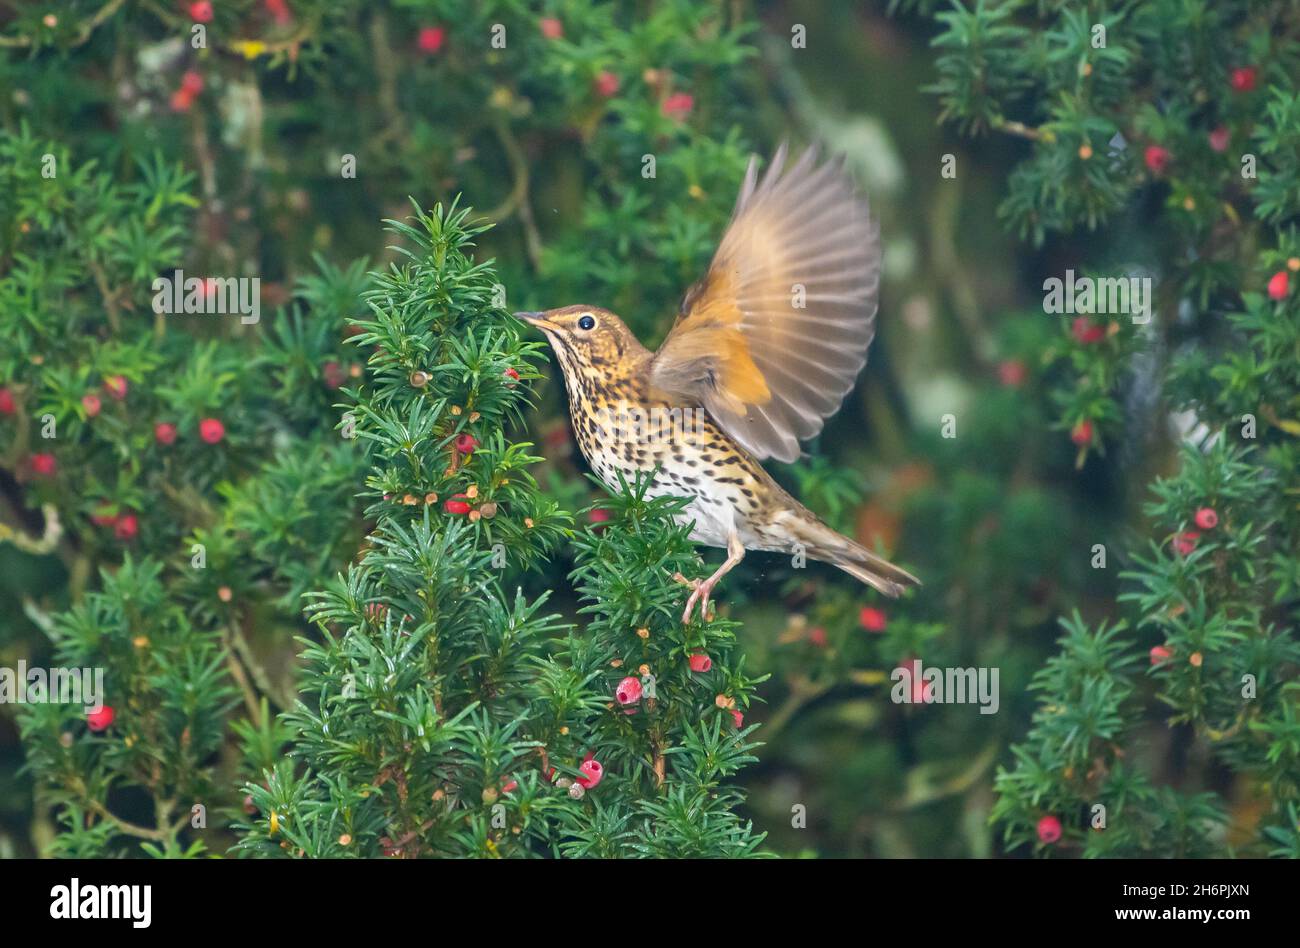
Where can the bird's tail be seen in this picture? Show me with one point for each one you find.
(826, 545)
(876, 572)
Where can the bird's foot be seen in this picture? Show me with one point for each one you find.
(701, 590)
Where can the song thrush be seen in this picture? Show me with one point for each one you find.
(765, 348)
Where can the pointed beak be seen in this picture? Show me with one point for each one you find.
(537, 319)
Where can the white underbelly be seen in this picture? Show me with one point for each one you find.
(712, 519)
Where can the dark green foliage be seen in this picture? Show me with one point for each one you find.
(232, 531)
(166, 681)
(326, 440)
(442, 715)
(1212, 590)
(243, 178)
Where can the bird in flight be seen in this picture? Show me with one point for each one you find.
(764, 349)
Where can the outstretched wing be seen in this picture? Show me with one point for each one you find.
(771, 340)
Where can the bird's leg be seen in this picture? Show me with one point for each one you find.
(703, 590)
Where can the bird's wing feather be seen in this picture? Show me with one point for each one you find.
(769, 371)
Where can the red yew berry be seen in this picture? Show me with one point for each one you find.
(211, 430)
(456, 505)
(1049, 830)
(872, 619)
(127, 526)
(430, 39)
(465, 443)
(1219, 139)
(678, 105)
(90, 401)
(102, 719)
(7, 404)
(1160, 653)
(552, 28)
(1081, 434)
(598, 516)
(1186, 541)
(1242, 79)
(817, 636)
(509, 785)
(591, 772)
(192, 83)
(181, 101)
(44, 465)
(629, 690)
(201, 11)
(164, 432)
(607, 84)
(279, 10)
(1207, 518)
(737, 718)
(116, 385)
(1278, 285)
(700, 662)
(1156, 158)
(1087, 332)
(333, 374)
(1011, 373)
(512, 375)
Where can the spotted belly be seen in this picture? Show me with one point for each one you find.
(724, 488)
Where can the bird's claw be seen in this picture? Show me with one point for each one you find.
(701, 590)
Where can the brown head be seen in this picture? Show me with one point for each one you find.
(592, 344)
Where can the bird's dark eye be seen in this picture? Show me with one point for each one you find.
(587, 322)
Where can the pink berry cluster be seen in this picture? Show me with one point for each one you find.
(1185, 541)
(431, 39)
(116, 388)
